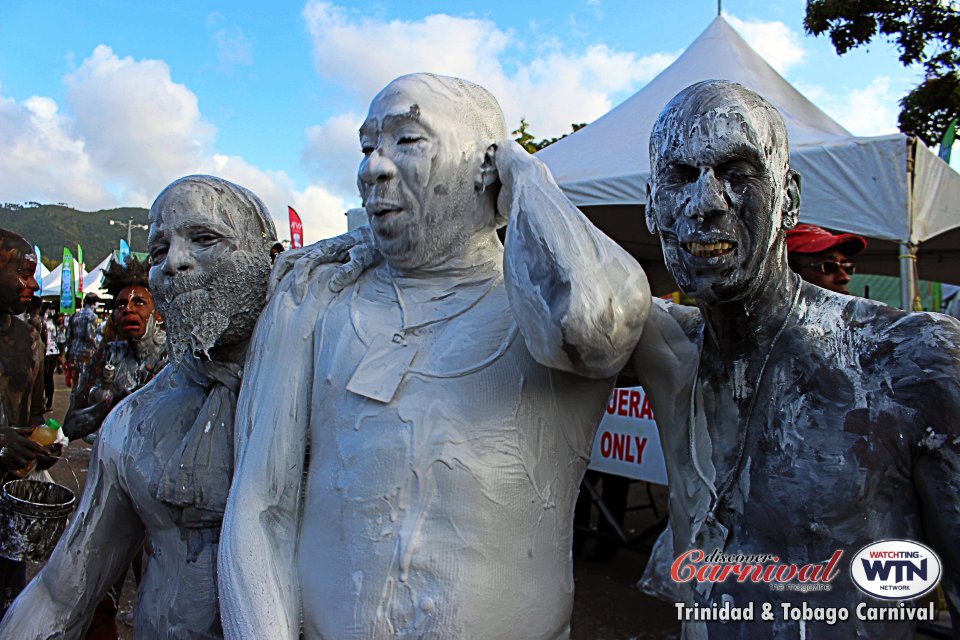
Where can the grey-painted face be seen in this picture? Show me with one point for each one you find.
(421, 168)
(720, 189)
(209, 240)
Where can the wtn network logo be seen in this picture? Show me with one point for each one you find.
(895, 569)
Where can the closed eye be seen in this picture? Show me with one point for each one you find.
(158, 252)
(683, 173)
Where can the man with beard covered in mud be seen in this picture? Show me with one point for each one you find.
(120, 366)
(164, 459)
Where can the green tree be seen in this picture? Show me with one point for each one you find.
(925, 32)
(529, 142)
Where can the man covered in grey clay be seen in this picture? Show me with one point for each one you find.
(164, 458)
(436, 500)
(795, 421)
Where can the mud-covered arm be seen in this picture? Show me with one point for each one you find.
(259, 586)
(82, 418)
(356, 251)
(98, 545)
(579, 299)
(934, 349)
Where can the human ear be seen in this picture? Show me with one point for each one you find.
(487, 175)
(648, 213)
(791, 200)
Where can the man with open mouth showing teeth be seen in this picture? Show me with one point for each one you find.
(795, 421)
(120, 366)
(437, 498)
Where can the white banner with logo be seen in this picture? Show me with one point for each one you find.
(627, 443)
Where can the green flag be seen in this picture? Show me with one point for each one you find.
(946, 143)
(80, 270)
(68, 304)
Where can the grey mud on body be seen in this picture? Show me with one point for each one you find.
(444, 460)
(164, 459)
(794, 420)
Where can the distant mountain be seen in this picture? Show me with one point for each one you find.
(53, 227)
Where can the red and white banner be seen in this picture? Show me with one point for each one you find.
(627, 442)
(296, 229)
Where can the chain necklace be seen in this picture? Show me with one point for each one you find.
(718, 496)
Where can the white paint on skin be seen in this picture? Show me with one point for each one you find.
(444, 461)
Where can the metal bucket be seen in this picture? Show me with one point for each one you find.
(33, 515)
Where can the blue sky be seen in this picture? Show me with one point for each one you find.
(104, 102)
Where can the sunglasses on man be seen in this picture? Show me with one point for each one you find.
(831, 267)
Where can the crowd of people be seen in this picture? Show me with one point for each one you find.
(383, 435)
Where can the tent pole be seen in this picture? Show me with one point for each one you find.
(908, 250)
(908, 286)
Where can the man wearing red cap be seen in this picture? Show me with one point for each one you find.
(822, 258)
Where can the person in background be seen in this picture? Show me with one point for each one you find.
(822, 258)
(60, 321)
(21, 384)
(51, 359)
(134, 349)
(275, 250)
(82, 338)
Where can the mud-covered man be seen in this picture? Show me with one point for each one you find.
(164, 458)
(120, 366)
(22, 403)
(795, 421)
(444, 462)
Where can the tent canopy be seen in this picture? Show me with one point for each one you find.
(853, 184)
(91, 280)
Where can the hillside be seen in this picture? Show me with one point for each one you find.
(51, 227)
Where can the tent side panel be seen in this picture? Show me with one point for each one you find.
(859, 186)
(936, 196)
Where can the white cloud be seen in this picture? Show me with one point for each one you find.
(556, 88)
(777, 43)
(322, 213)
(42, 160)
(138, 125)
(332, 152)
(868, 111)
(128, 131)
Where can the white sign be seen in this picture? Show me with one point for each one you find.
(627, 442)
(895, 569)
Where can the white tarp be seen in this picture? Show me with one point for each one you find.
(849, 183)
(91, 281)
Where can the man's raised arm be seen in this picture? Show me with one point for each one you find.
(580, 300)
(259, 586)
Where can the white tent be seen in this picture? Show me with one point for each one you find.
(891, 188)
(51, 283)
(91, 281)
